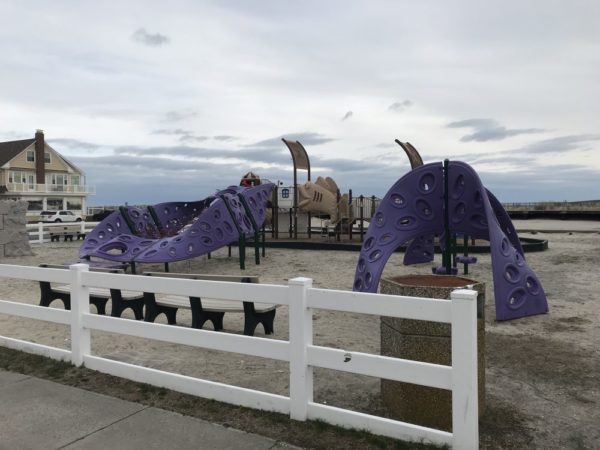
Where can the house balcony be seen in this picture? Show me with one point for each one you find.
(32, 189)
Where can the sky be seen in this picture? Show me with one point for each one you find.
(166, 101)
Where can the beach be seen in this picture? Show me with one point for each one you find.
(543, 372)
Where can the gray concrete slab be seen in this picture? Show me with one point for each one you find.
(38, 414)
(11, 377)
(155, 428)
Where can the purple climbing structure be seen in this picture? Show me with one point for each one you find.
(413, 210)
(178, 230)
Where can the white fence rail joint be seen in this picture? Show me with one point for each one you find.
(460, 377)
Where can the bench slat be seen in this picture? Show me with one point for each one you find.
(99, 292)
(210, 304)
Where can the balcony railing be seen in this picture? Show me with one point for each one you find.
(50, 188)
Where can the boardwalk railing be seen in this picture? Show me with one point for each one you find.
(299, 351)
(40, 232)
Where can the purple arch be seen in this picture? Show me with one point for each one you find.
(413, 209)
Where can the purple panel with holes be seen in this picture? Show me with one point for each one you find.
(411, 208)
(211, 230)
(401, 216)
(257, 198)
(142, 222)
(420, 250)
(238, 213)
(123, 248)
(173, 216)
(111, 227)
(517, 290)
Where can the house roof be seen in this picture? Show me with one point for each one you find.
(8, 150)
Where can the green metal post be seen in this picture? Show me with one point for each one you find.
(446, 257)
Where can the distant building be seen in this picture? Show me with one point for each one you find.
(31, 170)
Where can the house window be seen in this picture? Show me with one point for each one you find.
(17, 177)
(47, 159)
(75, 181)
(55, 203)
(30, 156)
(74, 204)
(35, 205)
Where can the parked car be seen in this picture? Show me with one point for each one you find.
(59, 216)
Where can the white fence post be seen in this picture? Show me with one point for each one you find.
(465, 402)
(40, 232)
(301, 335)
(80, 304)
(82, 227)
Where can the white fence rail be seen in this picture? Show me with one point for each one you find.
(299, 351)
(40, 232)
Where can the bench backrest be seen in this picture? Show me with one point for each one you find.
(206, 277)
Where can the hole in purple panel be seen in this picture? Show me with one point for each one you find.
(424, 209)
(118, 223)
(511, 274)
(427, 183)
(218, 234)
(185, 205)
(358, 284)
(109, 228)
(386, 239)
(426, 254)
(247, 222)
(478, 200)
(204, 226)
(505, 247)
(166, 211)
(517, 298)
(228, 227)
(125, 237)
(176, 208)
(379, 219)
(163, 244)
(91, 241)
(532, 285)
(375, 255)
(407, 223)
(194, 232)
(361, 265)
(217, 215)
(140, 226)
(145, 216)
(135, 214)
(145, 243)
(150, 252)
(369, 243)
(261, 212)
(136, 250)
(478, 221)
(114, 248)
(172, 251)
(178, 239)
(460, 210)
(398, 201)
(206, 240)
(100, 235)
(368, 280)
(507, 231)
(459, 187)
(519, 259)
(252, 202)
(190, 248)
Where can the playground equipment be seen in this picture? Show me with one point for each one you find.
(176, 231)
(323, 196)
(445, 200)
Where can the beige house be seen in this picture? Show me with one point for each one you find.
(31, 170)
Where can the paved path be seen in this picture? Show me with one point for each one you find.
(39, 414)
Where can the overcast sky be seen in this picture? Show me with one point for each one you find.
(160, 101)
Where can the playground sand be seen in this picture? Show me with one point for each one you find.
(543, 386)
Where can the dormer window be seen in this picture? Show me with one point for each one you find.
(47, 159)
(30, 155)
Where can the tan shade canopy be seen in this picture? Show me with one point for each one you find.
(299, 154)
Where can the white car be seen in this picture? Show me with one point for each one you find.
(59, 216)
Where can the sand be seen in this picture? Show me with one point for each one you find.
(543, 386)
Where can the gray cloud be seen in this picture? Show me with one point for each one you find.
(193, 138)
(72, 144)
(172, 132)
(306, 138)
(347, 115)
(489, 130)
(400, 106)
(150, 39)
(562, 144)
(176, 116)
(225, 138)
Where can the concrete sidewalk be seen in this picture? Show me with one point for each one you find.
(39, 414)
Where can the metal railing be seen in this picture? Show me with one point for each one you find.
(50, 188)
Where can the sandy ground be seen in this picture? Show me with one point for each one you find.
(543, 372)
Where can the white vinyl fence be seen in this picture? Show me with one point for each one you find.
(299, 351)
(40, 232)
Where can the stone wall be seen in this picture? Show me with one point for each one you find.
(14, 240)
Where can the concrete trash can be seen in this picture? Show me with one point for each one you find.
(427, 342)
